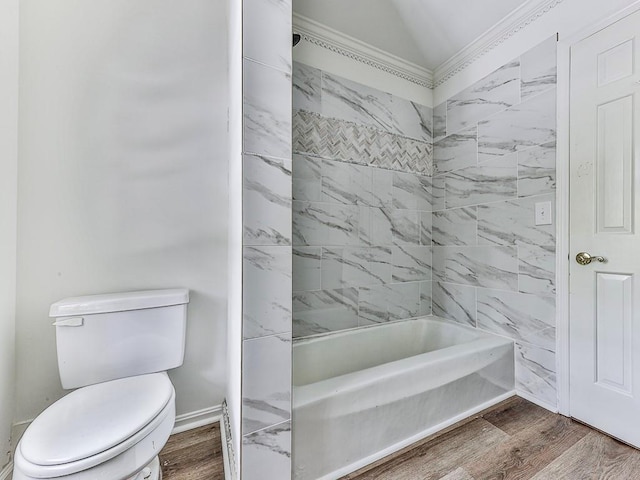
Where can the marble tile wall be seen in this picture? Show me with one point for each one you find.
(340, 119)
(267, 240)
(362, 203)
(494, 159)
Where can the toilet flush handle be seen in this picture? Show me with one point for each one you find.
(69, 322)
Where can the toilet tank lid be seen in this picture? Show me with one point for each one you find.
(119, 302)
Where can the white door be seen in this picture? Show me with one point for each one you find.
(605, 221)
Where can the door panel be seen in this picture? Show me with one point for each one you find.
(614, 166)
(604, 167)
(614, 313)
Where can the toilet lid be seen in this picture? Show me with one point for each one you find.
(93, 419)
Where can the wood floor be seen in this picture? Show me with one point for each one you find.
(193, 455)
(515, 440)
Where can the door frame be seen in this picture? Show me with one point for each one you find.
(562, 200)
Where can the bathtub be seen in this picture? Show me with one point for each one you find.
(362, 394)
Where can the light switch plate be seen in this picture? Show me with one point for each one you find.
(543, 213)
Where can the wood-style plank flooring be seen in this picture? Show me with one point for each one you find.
(514, 440)
(193, 455)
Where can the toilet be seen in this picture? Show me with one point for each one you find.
(115, 350)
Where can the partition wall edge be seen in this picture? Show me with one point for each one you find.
(233, 412)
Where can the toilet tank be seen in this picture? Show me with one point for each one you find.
(106, 337)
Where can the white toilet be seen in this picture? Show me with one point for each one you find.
(115, 349)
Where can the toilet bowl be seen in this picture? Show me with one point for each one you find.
(111, 429)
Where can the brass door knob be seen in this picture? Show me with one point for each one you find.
(583, 258)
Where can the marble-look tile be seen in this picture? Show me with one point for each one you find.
(267, 291)
(522, 126)
(353, 267)
(412, 119)
(455, 302)
(411, 264)
(495, 92)
(519, 316)
(425, 298)
(364, 225)
(536, 372)
(405, 227)
(537, 269)
(267, 453)
(537, 170)
(455, 227)
(411, 191)
(323, 311)
(489, 182)
(425, 228)
(456, 151)
(307, 268)
(438, 260)
(267, 32)
(307, 178)
(360, 144)
(307, 88)
(351, 101)
(404, 301)
(267, 110)
(538, 68)
(266, 382)
(382, 189)
(440, 122)
(513, 223)
(381, 232)
(438, 193)
(388, 302)
(346, 183)
(325, 224)
(266, 201)
(490, 267)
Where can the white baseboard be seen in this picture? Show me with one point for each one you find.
(5, 473)
(199, 418)
(540, 403)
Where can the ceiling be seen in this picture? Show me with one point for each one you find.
(424, 32)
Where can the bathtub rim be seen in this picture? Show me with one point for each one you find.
(319, 336)
(314, 391)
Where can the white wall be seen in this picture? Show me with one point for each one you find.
(8, 197)
(567, 18)
(122, 174)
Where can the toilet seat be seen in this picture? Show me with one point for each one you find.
(134, 417)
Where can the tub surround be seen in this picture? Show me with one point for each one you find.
(493, 268)
(362, 202)
(267, 253)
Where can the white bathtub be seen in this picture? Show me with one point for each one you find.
(362, 394)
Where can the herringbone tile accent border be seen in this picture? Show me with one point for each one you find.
(341, 140)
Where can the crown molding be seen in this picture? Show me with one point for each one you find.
(337, 42)
(492, 38)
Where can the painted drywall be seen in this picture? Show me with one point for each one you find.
(567, 18)
(122, 175)
(8, 198)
